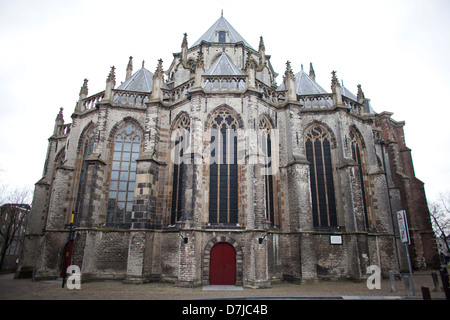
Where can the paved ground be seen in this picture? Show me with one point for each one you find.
(18, 289)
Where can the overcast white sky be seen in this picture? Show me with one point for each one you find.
(398, 50)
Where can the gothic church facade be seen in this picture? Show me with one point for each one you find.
(209, 172)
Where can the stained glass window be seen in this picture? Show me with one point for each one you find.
(223, 170)
(180, 137)
(318, 153)
(123, 176)
(266, 148)
(357, 155)
(86, 150)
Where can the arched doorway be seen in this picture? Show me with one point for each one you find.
(222, 264)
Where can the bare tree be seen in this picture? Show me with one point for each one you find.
(14, 208)
(440, 214)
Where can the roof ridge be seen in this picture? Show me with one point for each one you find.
(223, 59)
(142, 84)
(233, 34)
(315, 85)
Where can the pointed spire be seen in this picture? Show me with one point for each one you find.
(159, 72)
(158, 81)
(60, 116)
(199, 69)
(289, 83)
(84, 89)
(289, 73)
(82, 96)
(110, 83)
(184, 43)
(312, 74)
(360, 95)
(262, 48)
(112, 75)
(336, 89)
(221, 25)
(334, 81)
(184, 51)
(249, 62)
(261, 53)
(59, 121)
(250, 68)
(129, 69)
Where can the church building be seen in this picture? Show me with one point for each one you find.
(208, 171)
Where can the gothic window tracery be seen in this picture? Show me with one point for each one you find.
(266, 147)
(180, 136)
(86, 150)
(358, 155)
(123, 176)
(223, 169)
(318, 153)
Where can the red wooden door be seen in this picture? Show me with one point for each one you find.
(222, 265)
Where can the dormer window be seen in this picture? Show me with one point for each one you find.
(222, 36)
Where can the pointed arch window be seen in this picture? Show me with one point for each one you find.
(223, 169)
(266, 147)
(127, 145)
(318, 153)
(87, 148)
(180, 136)
(358, 156)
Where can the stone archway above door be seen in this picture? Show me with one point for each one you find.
(207, 258)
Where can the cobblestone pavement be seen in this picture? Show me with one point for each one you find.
(18, 289)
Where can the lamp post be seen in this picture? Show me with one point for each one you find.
(382, 143)
(68, 249)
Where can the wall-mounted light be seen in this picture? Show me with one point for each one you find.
(185, 239)
(262, 239)
(267, 225)
(180, 225)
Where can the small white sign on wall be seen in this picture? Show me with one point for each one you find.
(336, 239)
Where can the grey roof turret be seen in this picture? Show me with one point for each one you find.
(212, 35)
(140, 81)
(223, 66)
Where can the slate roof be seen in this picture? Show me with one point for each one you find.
(223, 66)
(141, 81)
(304, 84)
(221, 25)
(347, 93)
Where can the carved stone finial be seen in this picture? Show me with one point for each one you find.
(336, 89)
(129, 69)
(289, 73)
(112, 75)
(185, 42)
(84, 89)
(158, 79)
(110, 84)
(159, 72)
(200, 62)
(312, 74)
(59, 117)
(58, 121)
(261, 44)
(360, 95)
(249, 62)
(334, 80)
